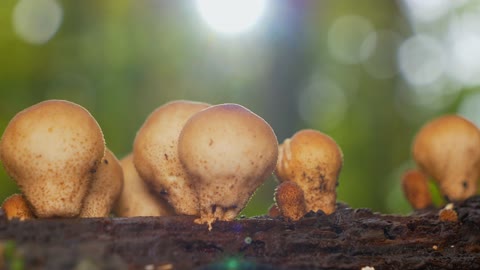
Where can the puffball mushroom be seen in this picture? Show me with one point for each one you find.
(52, 151)
(290, 200)
(156, 158)
(415, 188)
(228, 151)
(313, 161)
(106, 188)
(136, 198)
(16, 206)
(448, 149)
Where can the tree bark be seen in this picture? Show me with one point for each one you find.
(346, 239)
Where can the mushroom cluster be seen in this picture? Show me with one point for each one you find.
(54, 151)
(448, 150)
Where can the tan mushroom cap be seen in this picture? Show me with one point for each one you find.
(52, 150)
(16, 206)
(106, 188)
(229, 151)
(448, 149)
(415, 188)
(156, 158)
(136, 198)
(313, 161)
(290, 200)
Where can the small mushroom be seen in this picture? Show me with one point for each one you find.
(52, 151)
(448, 149)
(228, 151)
(156, 158)
(106, 188)
(16, 206)
(136, 198)
(273, 211)
(448, 213)
(290, 200)
(415, 188)
(313, 161)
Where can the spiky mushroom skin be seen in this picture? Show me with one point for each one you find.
(290, 200)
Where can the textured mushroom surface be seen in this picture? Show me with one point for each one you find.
(290, 200)
(136, 198)
(155, 155)
(313, 161)
(448, 149)
(106, 188)
(228, 151)
(16, 206)
(52, 151)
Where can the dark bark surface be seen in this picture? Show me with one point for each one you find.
(347, 239)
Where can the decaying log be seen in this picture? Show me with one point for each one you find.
(347, 239)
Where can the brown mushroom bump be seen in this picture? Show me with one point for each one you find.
(415, 188)
(448, 149)
(156, 158)
(52, 150)
(106, 188)
(313, 161)
(290, 200)
(136, 198)
(229, 151)
(273, 211)
(16, 206)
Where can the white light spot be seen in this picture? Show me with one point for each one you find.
(37, 21)
(428, 10)
(232, 16)
(323, 103)
(470, 108)
(345, 38)
(421, 60)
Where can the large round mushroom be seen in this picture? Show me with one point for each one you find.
(52, 150)
(228, 151)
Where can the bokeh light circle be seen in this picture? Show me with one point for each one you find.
(37, 21)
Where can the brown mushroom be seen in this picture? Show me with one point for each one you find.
(106, 188)
(228, 151)
(415, 188)
(156, 158)
(136, 198)
(313, 161)
(290, 200)
(16, 206)
(448, 149)
(52, 151)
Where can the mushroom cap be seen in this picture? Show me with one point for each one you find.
(106, 188)
(415, 188)
(313, 161)
(136, 198)
(229, 151)
(448, 149)
(156, 158)
(290, 200)
(16, 206)
(52, 150)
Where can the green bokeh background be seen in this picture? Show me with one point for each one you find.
(122, 59)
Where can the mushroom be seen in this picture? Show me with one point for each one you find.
(16, 206)
(156, 159)
(273, 211)
(52, 151)
(415, 188)
(448, 213)
(136, 198)
(228, 151)
(448, 149)
(290, 200)
(106, 188)
(313, 161)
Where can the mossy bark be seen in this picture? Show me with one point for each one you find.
(347, 239)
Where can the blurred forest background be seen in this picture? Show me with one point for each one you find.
(368, 73)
